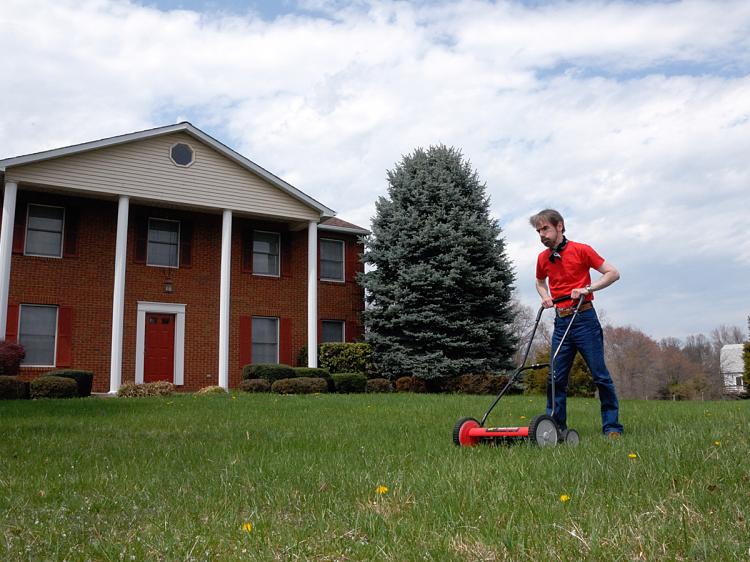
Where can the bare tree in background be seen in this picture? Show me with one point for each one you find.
(633, 361)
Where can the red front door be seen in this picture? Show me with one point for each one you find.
(158, 355)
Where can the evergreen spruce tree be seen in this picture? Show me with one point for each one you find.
(439, 292)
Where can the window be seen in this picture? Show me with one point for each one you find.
(266, 253)
(44, 231)
(738, 381)
(333, 331)
(163, 242)
(265, 340)
(331, 260)
(36, 333)
(181, 154)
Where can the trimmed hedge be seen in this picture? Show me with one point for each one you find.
(255, 385)
(345, 357)
(53, 387)
(379, 385)
(411, 384)
(13, 388)
(349, 382)
(158, 388)
(11, 355)
(84, 379)
(481, 384)
(270, 372)
(300, 385)
(317, 373)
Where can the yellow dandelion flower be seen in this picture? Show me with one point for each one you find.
(564, 498)
(523, 417)
(633, 456)
(717, 443)
(247, 527)
(381, 490)
(234, 397)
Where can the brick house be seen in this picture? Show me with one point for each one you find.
(165, 255)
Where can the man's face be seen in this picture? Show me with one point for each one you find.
(550, 235)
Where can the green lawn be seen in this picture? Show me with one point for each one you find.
(178, 478)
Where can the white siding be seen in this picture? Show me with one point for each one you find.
(143, 170)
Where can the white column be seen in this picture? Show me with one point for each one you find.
(6, 251)
(312, 294)
(118, 297)
(224, 298)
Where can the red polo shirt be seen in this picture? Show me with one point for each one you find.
(570, 272)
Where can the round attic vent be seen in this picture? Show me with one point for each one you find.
(181, 154)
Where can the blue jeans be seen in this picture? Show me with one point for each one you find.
(586, 337)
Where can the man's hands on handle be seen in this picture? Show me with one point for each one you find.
(609, 276)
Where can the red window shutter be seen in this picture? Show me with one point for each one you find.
(285, 343)
(19, 229)
(11, 328)
(64, 337)
(247, 250)
(351, 331)
(141, 238)
(320, 331)
(246, 340)
(352, 265)
(70, 243)
(186, 243)
(286, 254)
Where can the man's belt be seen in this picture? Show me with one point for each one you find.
(563, 312)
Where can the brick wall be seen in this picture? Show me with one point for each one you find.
(85, 283)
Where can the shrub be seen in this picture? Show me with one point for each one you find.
(349, 382)
(13, 388)
(84, 379)
(53, 387)
(378, 385)
(481, 384)
(213, 389)
(270, 372)
(345, 357)
(411, 384)
(300, 385)
(255, 385)
(317, 373)
(11, 355)
(158, 388)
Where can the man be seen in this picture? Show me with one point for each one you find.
(567, 264)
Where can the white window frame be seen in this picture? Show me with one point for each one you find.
(739, 380)
(278, 235)
(179, 338)
(343, 261)
(190, 146)
(26, 234)
(57, 323)
(278, 335)
(342, 323)
(179, 240)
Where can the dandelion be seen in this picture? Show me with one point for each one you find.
(381, 490)
(247, 527)
(633, 456)
(523, 417)
(564, 498)
(717, 443)
(234, 397)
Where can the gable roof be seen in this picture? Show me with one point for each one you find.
(334, 224)
(183, 127)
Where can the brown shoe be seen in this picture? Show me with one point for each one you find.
(614, 435)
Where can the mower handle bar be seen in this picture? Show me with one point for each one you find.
(526, 355)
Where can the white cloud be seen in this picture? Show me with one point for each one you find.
(628, 117)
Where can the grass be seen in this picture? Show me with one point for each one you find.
(178, 478)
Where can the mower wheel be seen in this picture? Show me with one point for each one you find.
(461, 432)
(570, 437)
(543, 431)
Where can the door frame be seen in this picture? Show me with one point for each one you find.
(178, 310)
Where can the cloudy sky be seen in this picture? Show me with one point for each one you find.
(630, 117)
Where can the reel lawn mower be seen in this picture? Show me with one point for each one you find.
(543, 429)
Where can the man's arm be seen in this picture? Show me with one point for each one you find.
(541, 288)
(609, 276)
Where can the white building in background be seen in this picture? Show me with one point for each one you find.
(732, 367)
